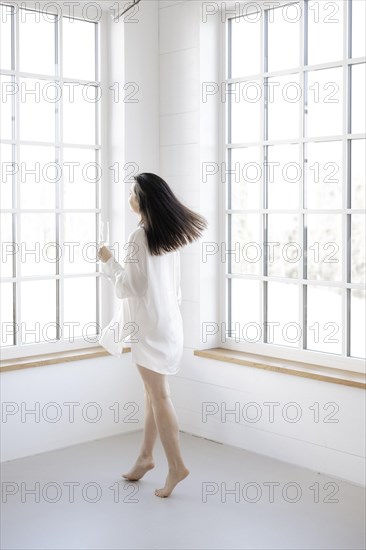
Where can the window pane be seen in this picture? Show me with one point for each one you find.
(358, 323)
(7, 89)
(79, 113)
(324, 316)
(325, 100)
(38, 311)
(324, 250)
(246, 244)
(37, 109)
(38, 176)
(7, 246)
(279, 117)
(358, 98)
(284, 98)
(358, 173)
(324, 175)
(5, 37)
(245, 53)
(6, 311)
(358, 257)
(81, 173)
(37, 42)
(325, 24)
(283, 313)
(38, 250)
(79, 257)
(7, 174)
(246, 178)
(78, 49)
(282, 22)
(283, 249)
(80, 307)
(245, 108)
(283, 176)
(358, 28)
(245, 304)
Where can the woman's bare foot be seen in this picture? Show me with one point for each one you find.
(174, 477)
(142, 466)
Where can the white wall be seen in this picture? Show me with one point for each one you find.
(109, 383)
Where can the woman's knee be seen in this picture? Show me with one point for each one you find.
(159, 395)
(156, 384)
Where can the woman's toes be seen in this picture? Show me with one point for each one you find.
(172, 480)
(139, 470)
(161, 493)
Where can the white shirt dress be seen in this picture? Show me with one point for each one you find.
(149, 318)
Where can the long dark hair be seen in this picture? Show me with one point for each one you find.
(168, 223)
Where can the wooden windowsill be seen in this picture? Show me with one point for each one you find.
(305, 370)
(53, 358)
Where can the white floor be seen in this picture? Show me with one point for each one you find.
(129, 516)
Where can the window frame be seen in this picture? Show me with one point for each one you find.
(101, 211)
(326, 359)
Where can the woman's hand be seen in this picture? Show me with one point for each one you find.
(104, 253)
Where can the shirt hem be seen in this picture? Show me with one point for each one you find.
(157, 370)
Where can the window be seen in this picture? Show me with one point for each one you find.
(294, 150)
(51, 166)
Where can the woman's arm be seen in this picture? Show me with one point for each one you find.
(131, 279)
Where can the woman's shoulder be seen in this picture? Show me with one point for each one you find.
(137, 234)
(138, 237)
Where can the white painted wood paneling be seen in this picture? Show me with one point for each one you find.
(179, 84)
(179, 27)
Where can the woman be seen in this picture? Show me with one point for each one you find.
(151, 281)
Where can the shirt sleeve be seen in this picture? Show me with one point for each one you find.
(131, 278)
(178, 287)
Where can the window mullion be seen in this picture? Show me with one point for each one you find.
(226, 188)
(346, 293)
(304, 197)
(57, 160)
(226, 62)
(14, 217)
(99, 153)
(60, 149)
(302, 288)
(99, 157)
(263, 230)
(16, 137)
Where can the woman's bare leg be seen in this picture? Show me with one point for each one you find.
(145, 461)
(167, 425)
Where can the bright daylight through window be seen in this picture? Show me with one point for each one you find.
(50, 181)
(295, 181)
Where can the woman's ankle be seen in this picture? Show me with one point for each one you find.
(177, 466)
(145, 457)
